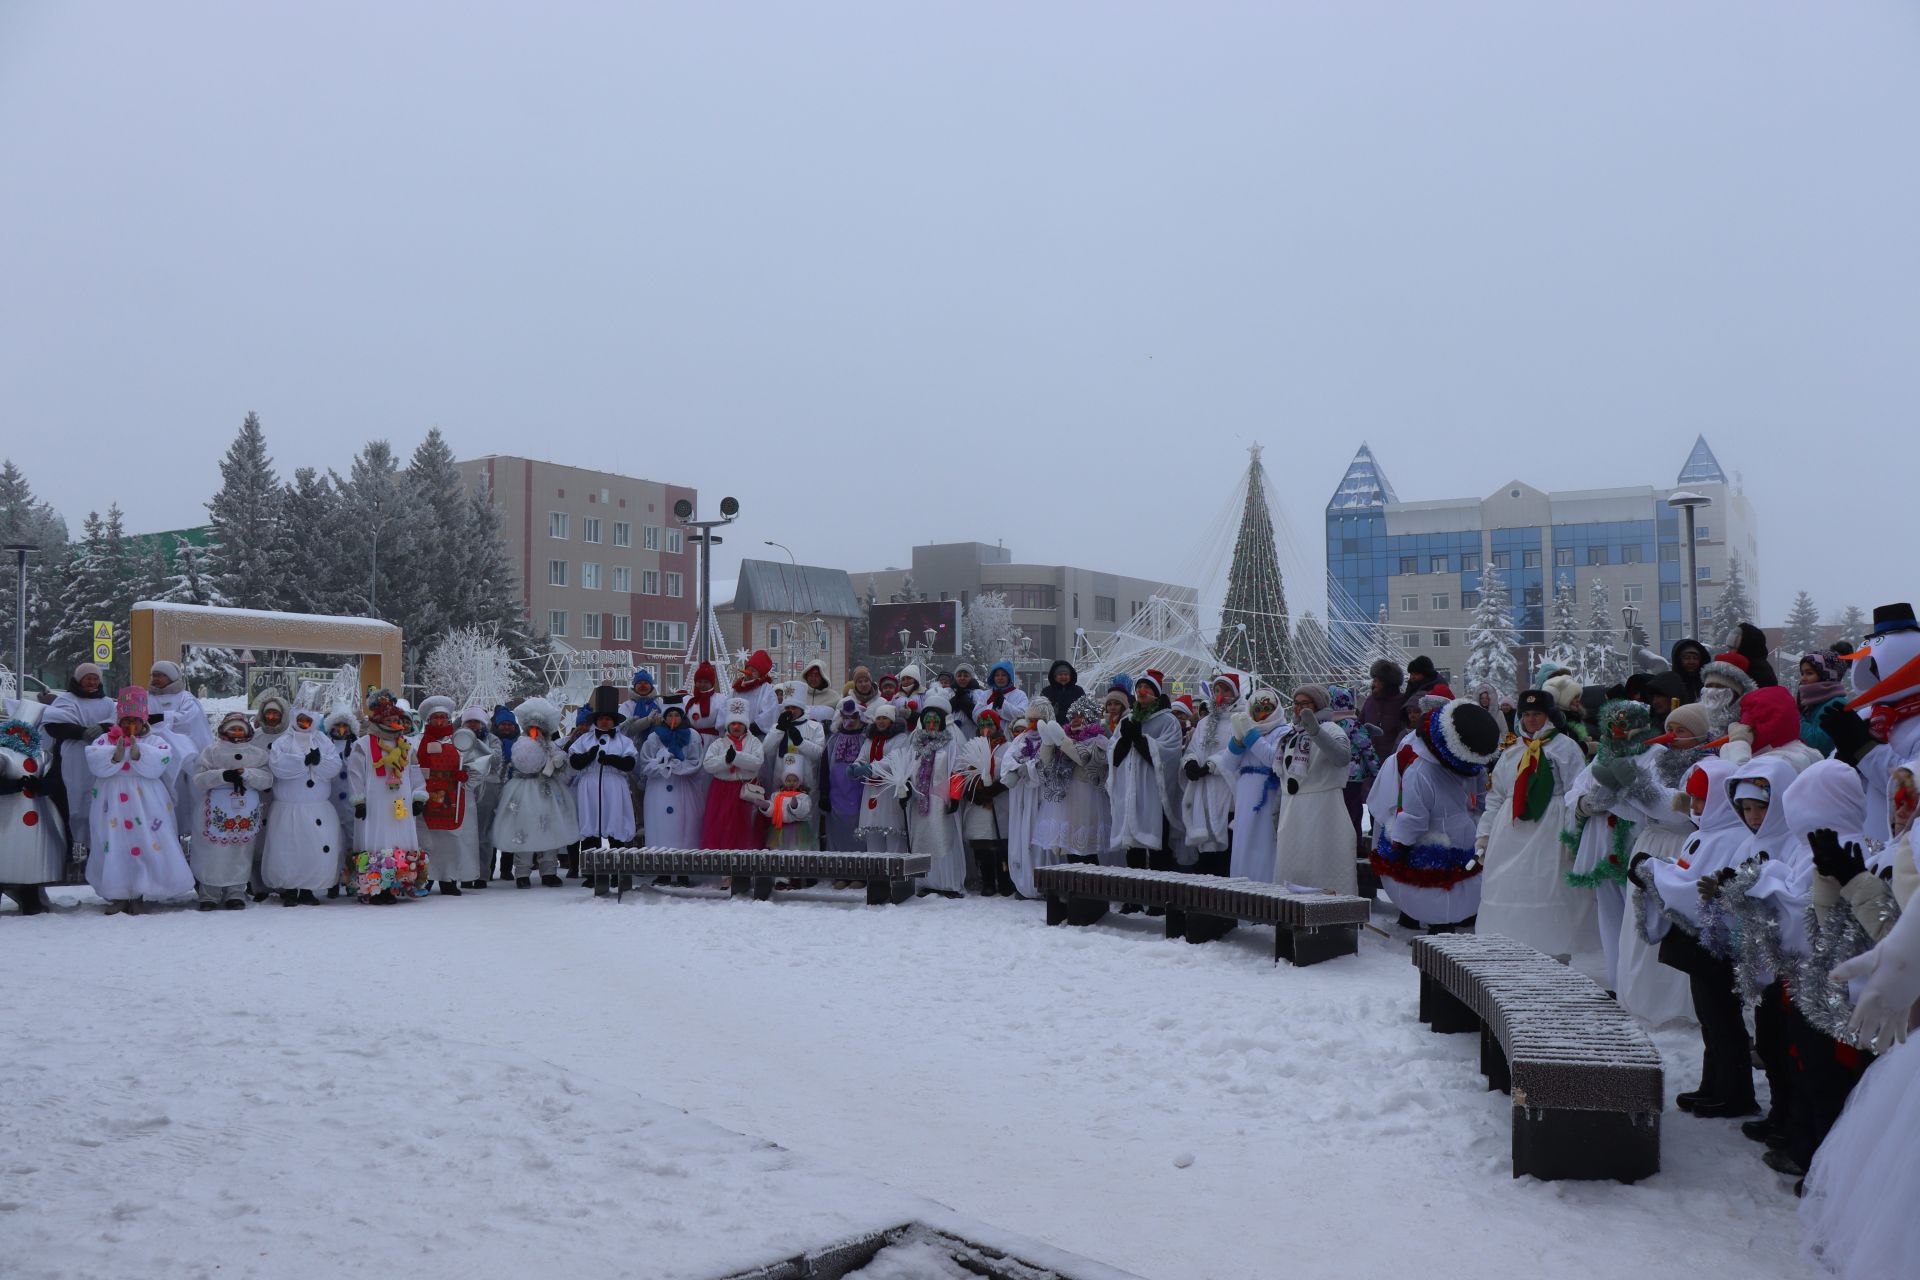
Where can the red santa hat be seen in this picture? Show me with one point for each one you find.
(1184, 703)
(1154, 678)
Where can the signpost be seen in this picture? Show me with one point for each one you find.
(103, 643)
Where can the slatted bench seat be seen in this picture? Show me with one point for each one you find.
(1586, 1080)
(1307, 927)
(888, 876)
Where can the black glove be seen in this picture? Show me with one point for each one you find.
(233, 777)
(1293, 786)
(1121, 746)
(1635, 872)
(419, 807)
(1834, 860)
(791, 732)
(731, 753)
(313, 757)
(581, 759)
(1195, 771)
(953, 806)
(360, 810)
(1851, 738)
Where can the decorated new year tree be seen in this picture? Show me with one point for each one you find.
(1253, 618)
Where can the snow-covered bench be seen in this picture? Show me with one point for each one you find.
(888, 876)
(1307, 927)
(1585, 1077)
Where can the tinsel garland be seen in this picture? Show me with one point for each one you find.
(1424, 866)
(1821, 1000)
(1613, 867)
(1645, 902)
(1756, 955)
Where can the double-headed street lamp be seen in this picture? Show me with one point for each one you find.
(704, 535)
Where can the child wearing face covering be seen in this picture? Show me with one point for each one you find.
(230, 781)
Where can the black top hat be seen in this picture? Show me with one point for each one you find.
(1888, 618)
(606, 702)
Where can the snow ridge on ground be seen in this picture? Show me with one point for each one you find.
(491, 1087)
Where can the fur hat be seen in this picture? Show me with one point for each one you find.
(1565, 691)
(131, 704)
(341, 716)
(1728, 671)
(1422, 666)
(1536, 700)
(1042, 709)
(736, 711)
(538, 713)
(438, 702)
(1388, 674)
(1464, 734)
(1316, 694)
(240, 718)
(171, 670)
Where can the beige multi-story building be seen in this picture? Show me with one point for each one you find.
(1050, 602)
(603, 563)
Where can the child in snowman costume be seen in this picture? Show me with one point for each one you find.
(789, 808)
(230, 779)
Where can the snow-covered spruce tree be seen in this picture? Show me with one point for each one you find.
(469, 665)
(379, 533)
(25, 520)
(1601, 660)
(1256, 597)
(102, 580)
(1492, 638)
(1853, 623)
(1800, 635)
(1565, 645)
(439, 496)
(309, 558)
(244, 522)
(988, 634)
(208, 668)
(1732, 608)
(494, 601)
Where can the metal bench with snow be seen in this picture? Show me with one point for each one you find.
(887, 876)
(1307, 927)
(1585, 1078)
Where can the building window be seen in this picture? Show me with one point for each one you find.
(674, 581)
(1441, 600)
(1409, 564)
(673, 542)
(1103, 609)
(773, 637)
(1704, 573)
(1441, 639)
(1703, 532)
(1596, 555)
(1470, 562)
(556, 573)
(556, 622)
(1670, 552)
(1410, 639)
(1469, 599)
(649, 582)
(1503, 560)
(1025, 595)
(1438, 564)
(1409, 604)
(557, 524)
(650, 537)
(1669, 593)
(623, 629)
(1630, 554)
(622, 534)
(622, 578)
(1529, 559)
(589, 575)
(590, 528)
(1669, 632)
(1632, 593)
(1563, 557)
(1076, 606)
(1530, 597)
(589, 626)
(663, 635)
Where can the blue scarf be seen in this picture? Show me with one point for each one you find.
(674, 740)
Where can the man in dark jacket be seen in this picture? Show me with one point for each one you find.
(1689, 658)
(1750, 642)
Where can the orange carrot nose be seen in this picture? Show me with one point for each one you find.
(1717, 743)
(1661, 741)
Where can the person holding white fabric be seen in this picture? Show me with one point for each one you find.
(1254, 736)
(1524, 894)
(80, 714)
(230, 781)
(1206, 803)
(1143, 780)
(1014, 766)
(1314, 842)
(933, 820)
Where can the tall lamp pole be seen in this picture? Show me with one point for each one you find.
(1687, 502)
(704, 535)
(21, 550)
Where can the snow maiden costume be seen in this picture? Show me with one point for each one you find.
(454, 766)
(1314, 842)
(933, 820)
(732, 762)
(1524, 894)
(1206, 805)
(230, 780)
(304, 850)
(1611, 801)
(1143, 778)
(881, 769)
(136, 856)
(676, 784)
(840, 790)
(1076, 828)
(388, 794)
(535, 818)
(1425, 855)
(33, 841)
(1253, 742)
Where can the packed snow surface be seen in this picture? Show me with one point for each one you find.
(541, 1082)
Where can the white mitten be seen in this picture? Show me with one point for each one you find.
(1891, 974)
(1740, 731)
(1241, 724)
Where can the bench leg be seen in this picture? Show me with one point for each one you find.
(1493, 1062)
(1310, 946)
(1083, 911)
(879, 893)
(1443, 1010)
(762, 888)
(739, 886)
(1056, 910)
(1176, 923)
(1206, 928)
(1555, 1143)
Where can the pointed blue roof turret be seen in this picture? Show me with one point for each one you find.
(1365, 486)
(1702, 467)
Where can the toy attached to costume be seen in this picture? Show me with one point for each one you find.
(230, 783)
(388, 794)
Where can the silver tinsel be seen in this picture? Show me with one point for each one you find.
(1756, 955)
(1823, 1001)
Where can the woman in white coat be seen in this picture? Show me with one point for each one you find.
(1206, 805)
(33, 842)
(79, 715)
(676, 784)
(883, 822)
(136, 857)
(933, 818)
(179, 713)
(230, 782)
(1014, 767)
(304, 850)
(1143, 777)
(1253, 744)
(1314, 843)
(1524, 894)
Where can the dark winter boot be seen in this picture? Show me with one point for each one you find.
(522, 882)
(207, 906)
(239, 904)
(551, 881)
(260, 896)
(333, 891)
(384, 898)
(308, 900)
(449, 889)
(476, 884)
(289, 898)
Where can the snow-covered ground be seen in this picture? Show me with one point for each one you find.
(495, 1086)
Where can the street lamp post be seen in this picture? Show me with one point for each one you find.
(21, 550)
(707, 539)
(1687, 501)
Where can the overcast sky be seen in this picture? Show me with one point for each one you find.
(1039, 272)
